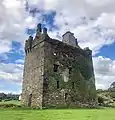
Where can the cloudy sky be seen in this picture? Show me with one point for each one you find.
(92, 22)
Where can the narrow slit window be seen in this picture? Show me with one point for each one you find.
(66, 96)
(55, 68)
(70, 70)
(73, 85)
(57, 84)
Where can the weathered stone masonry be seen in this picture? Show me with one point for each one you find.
(57, 74)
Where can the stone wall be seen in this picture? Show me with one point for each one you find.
(32, 92)
(79, 85)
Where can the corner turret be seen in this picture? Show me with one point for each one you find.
(88, 51)
(28, 45)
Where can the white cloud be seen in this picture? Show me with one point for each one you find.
(9, 91)
(104, 72)
(19, 61)
(75, 7)
(100, 3)
(106, 20)
(14, 20)
(11, 72)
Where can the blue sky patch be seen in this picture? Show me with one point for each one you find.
(9, 86)
(15, 53)
(108, 51)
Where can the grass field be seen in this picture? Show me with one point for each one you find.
(68, 114)
(11, 102)
(59, 114)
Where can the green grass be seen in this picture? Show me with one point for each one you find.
(10, 102)
(67, 114)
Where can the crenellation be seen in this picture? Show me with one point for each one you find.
(45, 31)
(39, 28)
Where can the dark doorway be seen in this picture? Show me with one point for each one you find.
(30, 100)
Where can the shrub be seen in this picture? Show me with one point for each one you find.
(9, 106)
(100, 100)
(7, 100)
(112, 94)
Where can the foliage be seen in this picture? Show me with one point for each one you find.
(9, 105)
(85, 68)
(112, 94)
(107, 98)
(100, 100)
(8, 97)
(3, 96)
(113, 85)
(99, 91)
(15, 102)
(111, 89)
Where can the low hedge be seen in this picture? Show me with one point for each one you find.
(9, 105)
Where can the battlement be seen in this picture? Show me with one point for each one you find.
(40, 36)
(68, 39)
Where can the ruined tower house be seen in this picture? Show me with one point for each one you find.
(57, 73)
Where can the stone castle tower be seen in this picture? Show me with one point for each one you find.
(57, 73)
